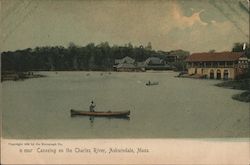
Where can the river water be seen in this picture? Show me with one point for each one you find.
(176, 108)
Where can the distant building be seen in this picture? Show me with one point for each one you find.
(155, 63)
(177, 55)
(126, 64)
(217, 65)
(126, 59)
(172, 58)
(125, 67)
(151, 63)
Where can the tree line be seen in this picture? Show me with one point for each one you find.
(89, 57)
(73, 57)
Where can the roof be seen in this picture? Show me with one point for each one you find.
(215, 56)
(153, 61)
(125, 60)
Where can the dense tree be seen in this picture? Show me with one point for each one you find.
(149, 46)
(237, 47)
(242, 47)
(89, 57)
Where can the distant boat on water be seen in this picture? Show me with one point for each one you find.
(152, 83)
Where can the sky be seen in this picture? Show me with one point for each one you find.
(192, 25)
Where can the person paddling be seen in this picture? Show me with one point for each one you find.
(92, 107)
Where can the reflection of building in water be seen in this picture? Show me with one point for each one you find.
(221, 65)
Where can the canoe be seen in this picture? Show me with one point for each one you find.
(100, 113)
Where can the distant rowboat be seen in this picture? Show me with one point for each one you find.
(100, 113)
(152, 83)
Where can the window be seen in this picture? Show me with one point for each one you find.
(225, 75)
(218, 74)
(211, 75)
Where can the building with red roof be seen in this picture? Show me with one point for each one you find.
(217, 65)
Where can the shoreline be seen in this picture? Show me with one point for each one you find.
(242, 84)
(17, 76)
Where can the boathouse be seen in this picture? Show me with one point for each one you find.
(217, 65)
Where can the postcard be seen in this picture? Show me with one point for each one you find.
(125, 82)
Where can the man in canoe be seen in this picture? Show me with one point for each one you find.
(92, 107)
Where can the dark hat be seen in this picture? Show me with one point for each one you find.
(92, 101)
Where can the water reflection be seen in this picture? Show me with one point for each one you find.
(93, 118)
(106, 117)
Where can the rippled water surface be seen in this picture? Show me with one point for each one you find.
(176, 108)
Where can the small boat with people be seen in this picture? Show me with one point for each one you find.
(93, 113)
(152, 83)
(100, 113)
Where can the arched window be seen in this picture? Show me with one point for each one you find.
(218, 74)
(225, 74)
(211, 74)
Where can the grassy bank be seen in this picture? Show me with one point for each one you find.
(245, 96)
(243, 84)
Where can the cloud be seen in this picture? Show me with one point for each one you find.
(190, 25)
(185, 21)
(215, 35)
(196, 34)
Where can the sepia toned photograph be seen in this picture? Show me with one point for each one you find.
(125, 69)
